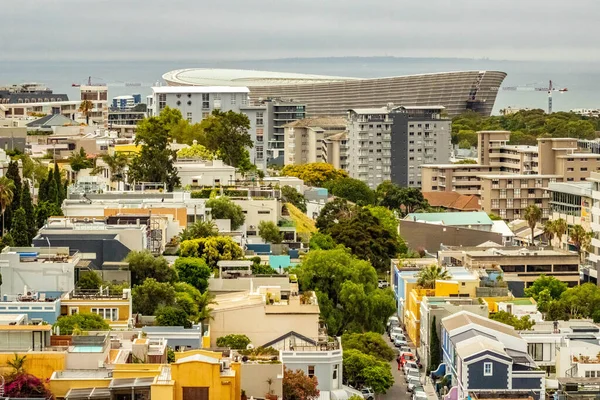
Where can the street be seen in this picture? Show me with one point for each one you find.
(399, 390)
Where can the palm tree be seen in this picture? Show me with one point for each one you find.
(532, 216)
(560, 229)
(549, 231)
(116, 165)
(17, 364)
(427, 276)
(85, 108)
(580, 238)
(7, 193)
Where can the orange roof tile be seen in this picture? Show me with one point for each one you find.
(453, 201)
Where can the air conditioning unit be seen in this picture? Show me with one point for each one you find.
(225, 364)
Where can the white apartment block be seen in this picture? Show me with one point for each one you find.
(98, 95)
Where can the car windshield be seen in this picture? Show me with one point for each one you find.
(418, 390)
(412, 372)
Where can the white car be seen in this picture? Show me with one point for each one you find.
(396, 332)
(382, 284)
(418, 395)
(400, 341)
(393, 320)
(405, 349)
(367, 393)
(412, 372)
(413, 383)
(409, 365)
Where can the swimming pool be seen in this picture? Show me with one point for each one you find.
(87, 349)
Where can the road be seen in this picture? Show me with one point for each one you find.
(399, 390)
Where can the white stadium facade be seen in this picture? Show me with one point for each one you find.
(333, 96)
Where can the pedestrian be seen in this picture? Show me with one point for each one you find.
(398, 361)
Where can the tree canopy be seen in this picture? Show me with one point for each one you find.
(227, 135)
(151, 295)
(296, 385)
(233, 341)
(314, 174)
(193, 271)
(427, 276)
(554, 287)
(351, 189)
(154, 162)
(401, 199)
(362, 369)
(370, 343)
(211, 249)
(79, 160)
(521, 324)
(143, 265)
(199, 229)
(333, 212)
(172, 316)
(78, 323)
(196, 151)
(223, 208)
(291, 195)
(269, 232)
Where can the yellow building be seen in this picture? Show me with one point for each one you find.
(115, 309)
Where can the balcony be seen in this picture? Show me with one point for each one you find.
(531, 195)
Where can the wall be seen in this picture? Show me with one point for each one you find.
(254, 379)
(476, 379)
(420, 235)
(39, 364)
(327, 364)
(200, 374)
(60, 387)
(89, 361)
(85, 306)
(38, 276)
(257, 210)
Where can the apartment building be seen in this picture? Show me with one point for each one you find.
(594, 253)
(279, 113)
(30, 99)
(571, 201)
(126, 102)
(125, 122)
(509, 195)
(98, 95)
(392, 143)
(308, 140)
(552, 156)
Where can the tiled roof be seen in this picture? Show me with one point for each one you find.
(464, 318)
(452, 218)
(453, 200)
(322, 122)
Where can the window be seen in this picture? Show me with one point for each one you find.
(205, 114)
(73, 310)
(111, 314)
(259, 119)
(264, 211)
(335, 371)
(590, 374)
(233, 99)
(487, 369)
(162, 101)
(205, 101)
(517, 193)
(189, 117)
(311, 371)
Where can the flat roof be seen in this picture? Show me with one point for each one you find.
(517, 176)
(452, 218)
(200, 89)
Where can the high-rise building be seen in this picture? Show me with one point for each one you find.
(279, 113)
(126, 102)
(392, 143)
(306, 140)
(98, 95)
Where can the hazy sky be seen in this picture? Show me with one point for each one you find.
(255, 29)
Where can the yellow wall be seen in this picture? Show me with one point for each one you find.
(206, 341)
(85, 307)
(493, 302)
(127, 148)
(163, 391)
(178, 214)
(39, 364)
(201, 374)
(446, 288)
(136, 370)
(60, 387)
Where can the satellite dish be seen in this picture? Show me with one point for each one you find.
(250, 346)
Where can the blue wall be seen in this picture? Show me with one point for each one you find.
(47, 311)
(498, 380)
(259, 248)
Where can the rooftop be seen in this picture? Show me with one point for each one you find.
(520, 252)
(464, 318)
(452, 218)
(319, 122)
(577, 188)
(453, 200)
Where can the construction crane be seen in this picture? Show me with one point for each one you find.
(92, 81)
(551, 88)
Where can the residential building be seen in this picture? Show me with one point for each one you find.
(437, 308)
(323, 360)
(305, 140)
(260, 377)
(487, 358)
(37, 269)
(391, 143)
(13, 138)
(265, 315)
(196, 172)
(49, 122)
(278, 113)
(577, 357)
(94, 239)
(594, 253)
(507, 196)
(333, 96)
(115, 308)
(452, 201)
(125, 122)
(126, 102)
(478, 220)
(33, 99)
(180, 338)
(520, 266)
(98, 95)
(571, 201)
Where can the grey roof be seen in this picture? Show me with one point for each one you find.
(88, 393)
(288, 335)
(469, 334)
(50, 121)
(131, 382)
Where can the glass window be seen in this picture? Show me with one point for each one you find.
(205, 101)
(488, 369)
(311, 371)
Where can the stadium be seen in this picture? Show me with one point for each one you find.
(333, 96)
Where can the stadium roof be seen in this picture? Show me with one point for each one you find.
(200, 89)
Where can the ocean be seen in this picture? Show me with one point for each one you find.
(582, 79)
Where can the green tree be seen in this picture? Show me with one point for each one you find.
(224, 208)
(13, 174)
(296, 385)
(227, 135)
(45, 209)
(185, 132)
(314, 174)
(321, 241)
(61, 193)
(352, 190)
(427, 276)
(333, 212)
(386, 218)
(7, 192)
(79, 160)
(581, 238)
(581, 301)
(193, 271)
(405, 200)
(464, 144)
(549, 231)
(143, 265)
(172, 316)
(549, 283)
(195, 151)
(154, 162)
(435, 352)
(115, 163)
(369, 343)
(17, 364)
(195, 304)
(269, 232)
(42, 190)
(365, 370)
(233, 341)
(521, 324)
(560, 229)
(199, 229)
(368, 239)
(90, 280)
(291, 195)
(19, 230)
(151, 295)
(27, 204)
(532, 216)
(82, 322)
(211, 249)
(544, 300)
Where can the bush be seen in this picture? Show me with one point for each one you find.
(233, 341)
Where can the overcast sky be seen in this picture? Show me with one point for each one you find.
(258, 29)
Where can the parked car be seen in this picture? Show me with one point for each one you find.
(419, 395)
(413, 383)
(392, 321)
(396, 332)
(406, 357)
(399, 341)
(382, 283)
(409, 365)
(418, 388)
(367, 393)
(411, 372)
(405, 349)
